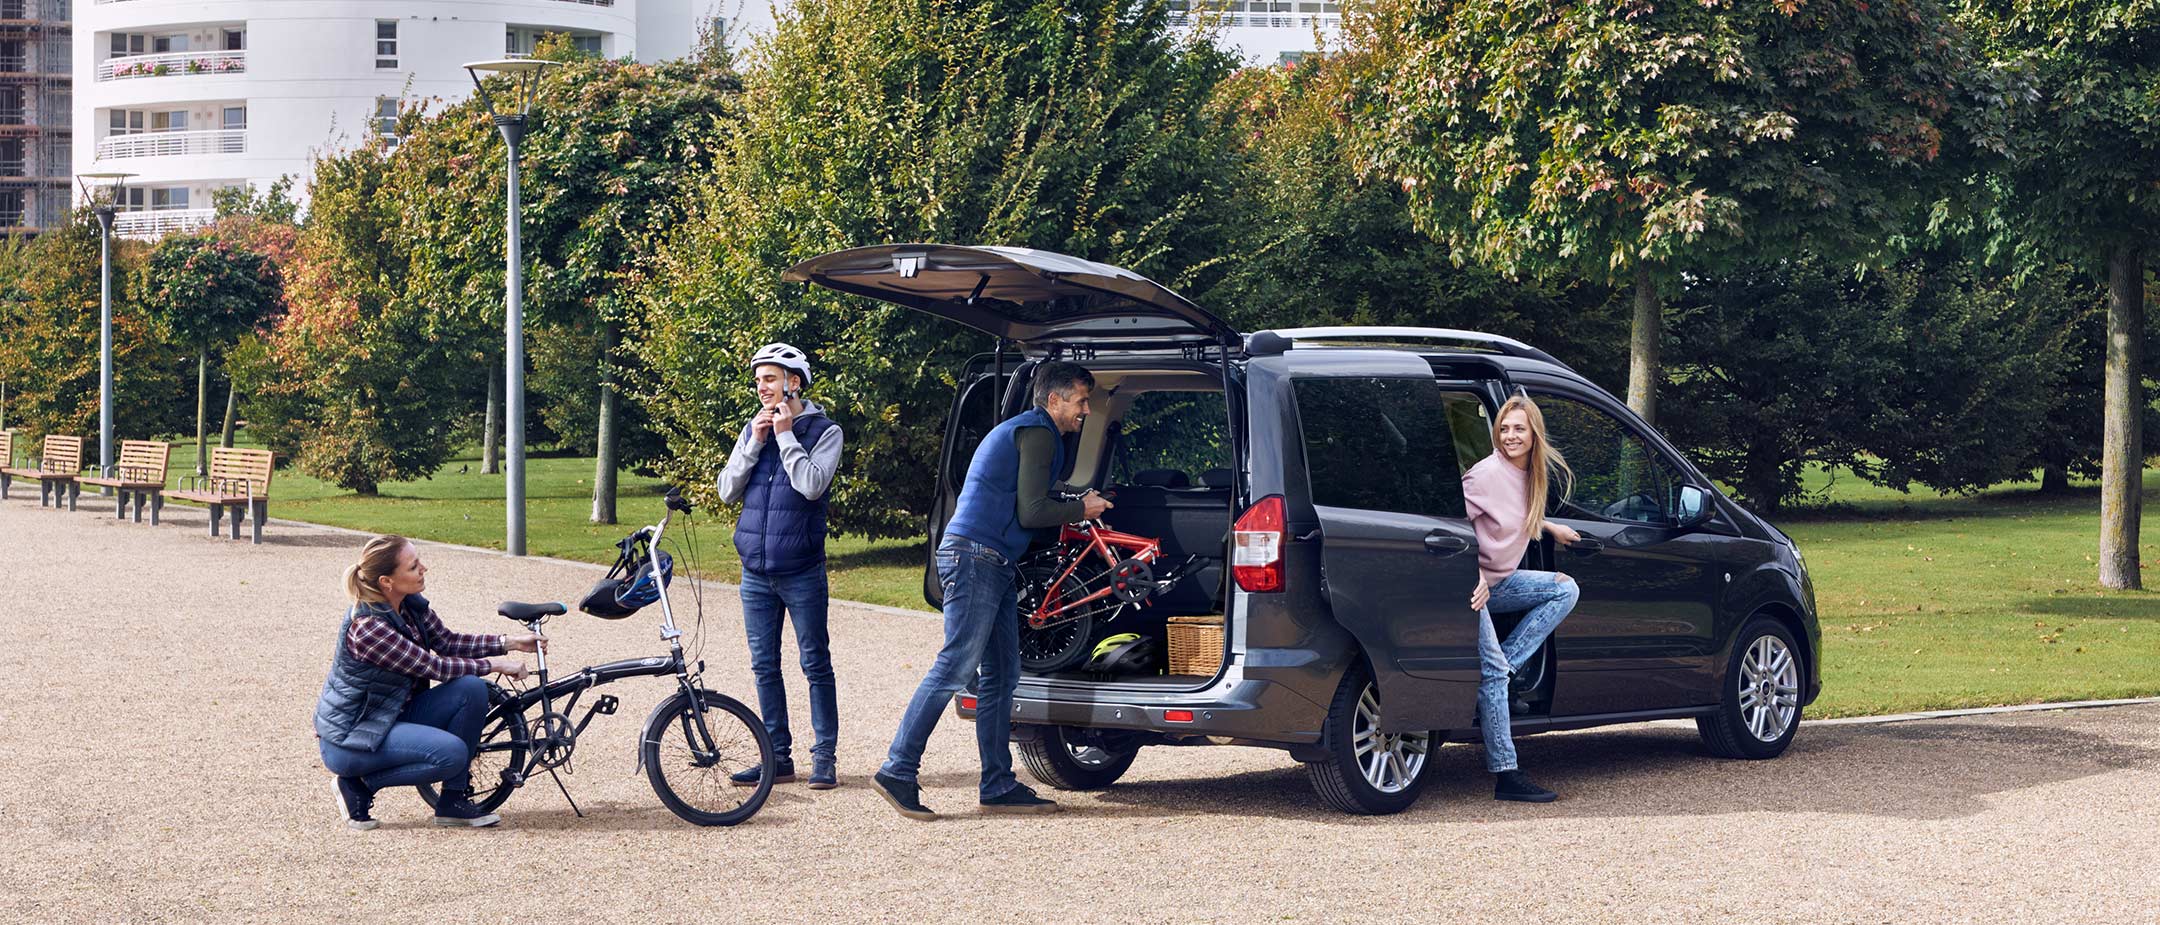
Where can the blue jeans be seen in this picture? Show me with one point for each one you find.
(803, 595)
(432, 741)
(1548, 596)
(982, 631)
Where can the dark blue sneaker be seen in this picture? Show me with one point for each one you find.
(455, 809)
(905, 796)
(1019, 801)
(824, 774)
(355, 800)
(783, 773)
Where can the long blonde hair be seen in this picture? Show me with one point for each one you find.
(377, 559)
(1545, 460)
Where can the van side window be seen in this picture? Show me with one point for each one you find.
(1618, 475)
(1382, 445)
(1172, 432)
(976, 416)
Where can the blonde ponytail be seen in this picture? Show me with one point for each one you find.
(377, 559)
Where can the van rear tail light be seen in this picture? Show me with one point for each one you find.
(1256, 546)
(967, 703)
(1177, 716)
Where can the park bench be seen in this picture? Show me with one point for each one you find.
(239, 479)
(141, 473)
(55, 469)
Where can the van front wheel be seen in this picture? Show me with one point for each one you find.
(1368, 772)
(1069, 759)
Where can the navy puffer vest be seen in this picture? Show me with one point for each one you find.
(989, 511)
(360, 701)
(780, 532)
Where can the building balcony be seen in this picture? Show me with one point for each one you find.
(173, 64)
(156, 223)
(166, 144)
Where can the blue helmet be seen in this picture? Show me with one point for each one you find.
(640, 590)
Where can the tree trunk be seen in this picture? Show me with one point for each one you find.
(2122, 446)
(1643, 368)
(2054, 479)
(232, 414)
(202, 413)
(491, 432)
(604, 451)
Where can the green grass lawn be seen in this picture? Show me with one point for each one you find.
(1926, 602)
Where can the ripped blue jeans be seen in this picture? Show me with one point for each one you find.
(1549, 597)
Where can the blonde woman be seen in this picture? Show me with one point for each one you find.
(1506, 495)
(379, 722)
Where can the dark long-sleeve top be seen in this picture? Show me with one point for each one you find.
(1037, 510)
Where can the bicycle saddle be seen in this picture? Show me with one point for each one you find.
(526, 613)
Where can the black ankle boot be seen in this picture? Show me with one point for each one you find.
(1512, 785)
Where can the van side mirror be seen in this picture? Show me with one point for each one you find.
(1693, 508)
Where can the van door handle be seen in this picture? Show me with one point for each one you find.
(1445, 544)
(1586, 547)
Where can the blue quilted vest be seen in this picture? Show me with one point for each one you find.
(360, 701)
(989, 510)
(780, 532)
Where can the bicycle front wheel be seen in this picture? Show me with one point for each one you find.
(691, 750)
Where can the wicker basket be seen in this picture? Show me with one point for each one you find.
(1196, 645)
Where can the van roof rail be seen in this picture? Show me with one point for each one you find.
(1507, 346)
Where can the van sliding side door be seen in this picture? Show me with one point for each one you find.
(1398, 556)
(976, 408)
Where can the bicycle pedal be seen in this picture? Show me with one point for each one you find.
(606, 705)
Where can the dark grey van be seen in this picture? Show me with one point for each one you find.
(1316, 475)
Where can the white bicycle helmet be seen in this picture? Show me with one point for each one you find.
(785, 357)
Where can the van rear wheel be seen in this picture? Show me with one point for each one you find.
(1368, 772)
(1069, 759)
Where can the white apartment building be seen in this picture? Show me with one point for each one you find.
(193, 96)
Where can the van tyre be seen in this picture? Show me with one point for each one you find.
(1367, 772)
(1759, 705)
(1063, 758)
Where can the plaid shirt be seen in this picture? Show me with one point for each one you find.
(438, 655)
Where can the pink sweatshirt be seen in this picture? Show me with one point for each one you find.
(1497, 495)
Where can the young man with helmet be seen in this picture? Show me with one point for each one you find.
(780, 469)
(1004, 502)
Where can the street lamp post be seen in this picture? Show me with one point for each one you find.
(524, 74)
(104, 207)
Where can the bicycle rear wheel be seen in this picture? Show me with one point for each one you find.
(689, 767)
(504, 743)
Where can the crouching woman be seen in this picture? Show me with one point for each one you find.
(380, 721)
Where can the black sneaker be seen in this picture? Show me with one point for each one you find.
(455, 808)
(355, 799)
(905, 796)
(824, 774)
(1512, 785)
(1019, 800)
(783, 773)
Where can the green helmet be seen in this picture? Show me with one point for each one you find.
(1124, 653)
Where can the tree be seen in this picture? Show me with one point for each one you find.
(1933, 371)
(49, 356)
(1078, 127)
(2080, 188)
(206, 292)
(1317, 244)
(1641, 141)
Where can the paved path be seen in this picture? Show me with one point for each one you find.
(156, 765)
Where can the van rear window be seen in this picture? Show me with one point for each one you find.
(1387, 444)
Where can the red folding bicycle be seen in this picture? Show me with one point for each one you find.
(1090, 577)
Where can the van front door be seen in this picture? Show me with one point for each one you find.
(1398, 556)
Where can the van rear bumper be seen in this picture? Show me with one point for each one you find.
(1249, 710)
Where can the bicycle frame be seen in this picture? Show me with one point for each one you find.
(1097, 540)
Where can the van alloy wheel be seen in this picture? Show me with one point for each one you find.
(1769, 688)
(1390, 761)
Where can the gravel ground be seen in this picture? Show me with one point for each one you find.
(157, 765)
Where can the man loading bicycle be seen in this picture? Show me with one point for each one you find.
(1004, 501)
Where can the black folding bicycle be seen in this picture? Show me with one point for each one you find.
(692, 744)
